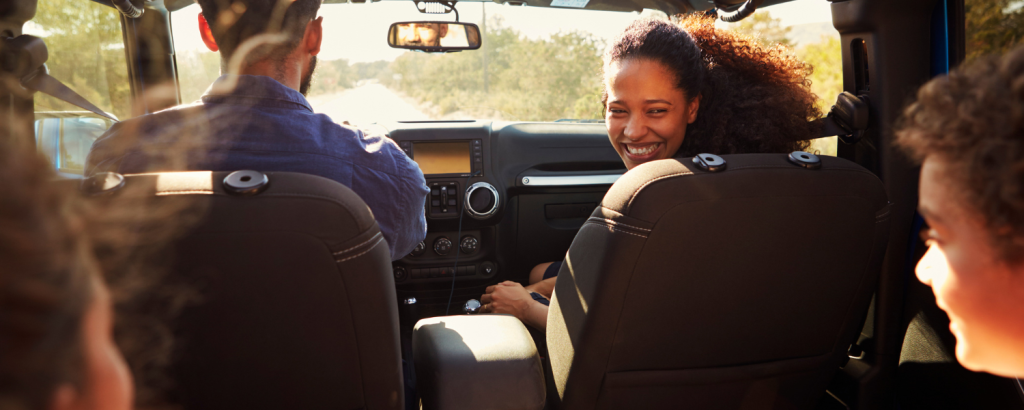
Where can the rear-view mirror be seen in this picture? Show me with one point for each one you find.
(434, 36)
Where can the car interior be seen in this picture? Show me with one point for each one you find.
(781, 281)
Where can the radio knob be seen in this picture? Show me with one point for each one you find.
(442, 246)
(481, 200)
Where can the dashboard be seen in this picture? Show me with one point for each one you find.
(504, 196)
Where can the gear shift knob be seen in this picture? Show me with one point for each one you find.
(471, 307)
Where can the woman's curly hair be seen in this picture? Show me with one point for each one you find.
(973, 119)
(755, 98)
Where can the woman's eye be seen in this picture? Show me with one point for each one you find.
(616, 111)
(656, 111)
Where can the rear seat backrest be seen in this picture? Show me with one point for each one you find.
(734, 289)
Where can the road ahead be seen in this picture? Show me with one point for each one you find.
(367, 104)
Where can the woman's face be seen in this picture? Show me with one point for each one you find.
(980, 293)
(646, 114)
(107, 383)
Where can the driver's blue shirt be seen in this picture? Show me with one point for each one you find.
(263, 125)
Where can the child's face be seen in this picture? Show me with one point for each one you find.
(980, 292)
(107, 382)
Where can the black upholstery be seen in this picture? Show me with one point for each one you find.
(299, 307)
(735, 289)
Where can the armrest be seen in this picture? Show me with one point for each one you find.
(477, 362)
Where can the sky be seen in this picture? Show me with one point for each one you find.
(357, 32)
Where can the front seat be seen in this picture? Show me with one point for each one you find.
(298, 306)
(741, 288)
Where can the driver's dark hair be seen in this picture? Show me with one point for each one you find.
(755, 98)
(235, 21)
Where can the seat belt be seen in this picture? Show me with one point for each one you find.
(848, 118)
(25, 56)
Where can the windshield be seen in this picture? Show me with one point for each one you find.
(535, 64)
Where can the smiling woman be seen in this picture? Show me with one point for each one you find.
(689, 88)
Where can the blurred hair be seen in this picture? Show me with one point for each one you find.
(755, 98)
(973, 120)
(54, 242)
(233, 22)
(46, 268)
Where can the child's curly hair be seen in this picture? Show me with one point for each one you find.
(754, 98)
(55, 245)
(973, 120)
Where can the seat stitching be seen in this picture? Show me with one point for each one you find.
(617, 230)
(335, 200)
(595, 218)
(363, 252)
(185, 191)
(632, 197)
(361, 244)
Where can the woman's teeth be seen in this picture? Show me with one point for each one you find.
(642, 151)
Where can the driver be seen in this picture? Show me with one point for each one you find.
(663, 99)
(422, 34)
(256, 117)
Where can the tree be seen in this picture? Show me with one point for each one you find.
(826, 57)
(993, 26)
(86, 53)
(528, 79)
(762, 26)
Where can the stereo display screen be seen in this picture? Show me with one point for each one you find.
(442, 157)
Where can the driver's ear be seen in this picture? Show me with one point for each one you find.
(207, 34)
(314, 35)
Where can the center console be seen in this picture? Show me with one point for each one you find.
(461, 209)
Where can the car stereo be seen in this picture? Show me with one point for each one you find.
(446, 158)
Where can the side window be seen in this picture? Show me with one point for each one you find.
(86, 53)
(993, 26)
(805, 26)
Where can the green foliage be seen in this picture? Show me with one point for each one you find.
(765, 28)
(993, 26)
(332, 76)
(511, 77)
(86, 53)
(826, 57)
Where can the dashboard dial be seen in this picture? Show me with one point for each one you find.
(419, 249)
(469, 244)
(442, 246)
